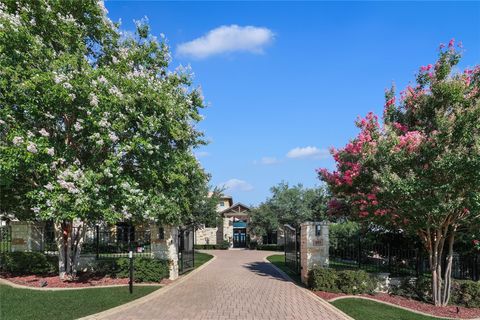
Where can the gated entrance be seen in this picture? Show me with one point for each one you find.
(292, 248)
(5, 239)
(186, 252)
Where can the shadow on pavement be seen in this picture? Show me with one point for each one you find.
(264, 269)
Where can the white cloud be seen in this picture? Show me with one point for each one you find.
(201, 154)
(227, 39)
(237, 185)
(308, 152)
(267, 161)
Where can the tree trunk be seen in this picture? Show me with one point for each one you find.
(441, 273)
(69, 237)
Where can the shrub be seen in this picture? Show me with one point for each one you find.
(145, 269)
(466, 293)
(270, 247)
(348, 281)
(252, 244)
(224, 245)
(323, 279)
(414, 288)
(26, 263)
(356, 282)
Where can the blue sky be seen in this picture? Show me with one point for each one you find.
(286, 89)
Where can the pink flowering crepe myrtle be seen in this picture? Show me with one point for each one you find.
(420, 170)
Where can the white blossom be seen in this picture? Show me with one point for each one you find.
(36, 209)
(67, 85)
(32, 147)
(115, 91)
(72, 96)
(17, 140)
(99, 142)
(2, 122)
(30, 134)
(51, 151)
(93, 100)
(44, 132)
(77, 126)
(102, 79)
(49, 186)
(104, 123)
(113, 137)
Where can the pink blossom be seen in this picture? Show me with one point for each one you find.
(451, 43)
(410, 141)
(399, 126)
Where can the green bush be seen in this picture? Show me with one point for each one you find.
(414, 288)
(348, 281)
(270, 247)
(466, 293)
(252, 244)
(356, 282)
(145, 269)
(224, 245)
(323, 279)
(26, 263)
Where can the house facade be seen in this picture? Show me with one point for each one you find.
(232, 227)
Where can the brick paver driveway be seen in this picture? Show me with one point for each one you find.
(237, 285)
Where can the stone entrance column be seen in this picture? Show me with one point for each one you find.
(314, 247)
(164, 242)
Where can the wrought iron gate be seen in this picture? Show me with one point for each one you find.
(292, 248)
(5, 239)
(186, 252)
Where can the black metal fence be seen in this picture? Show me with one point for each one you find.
(186, 251)
(5, 239)
(105, 242)
(360, 252)
(292, 248)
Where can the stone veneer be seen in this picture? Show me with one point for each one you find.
(27, 236)
(313, 248)
(206, 235)
(166, 248)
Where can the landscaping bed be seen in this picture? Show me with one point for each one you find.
(449, 311)
(54, 281)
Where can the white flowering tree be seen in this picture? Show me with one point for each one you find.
(93, 125)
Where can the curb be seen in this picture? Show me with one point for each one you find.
(21, 286)
(329, 306)
(148, 297)
(400, 307)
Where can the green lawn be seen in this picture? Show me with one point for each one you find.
(68, 304)
(361, 309)
(201, 258)
(279, 261)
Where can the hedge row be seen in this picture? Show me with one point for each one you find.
(224, 245)
(26, 263)
(347, 281)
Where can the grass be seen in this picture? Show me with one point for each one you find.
(19, 304)
(361, 309)
(279, 261)
(201, 258)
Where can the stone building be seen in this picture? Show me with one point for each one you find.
(233, 226)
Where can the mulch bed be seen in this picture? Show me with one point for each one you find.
(449, 311)
(55, 282)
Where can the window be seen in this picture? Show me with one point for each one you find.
(125, 232)
(161, 233)
(222, 204)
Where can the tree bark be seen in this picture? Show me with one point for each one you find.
(441, 273)
(69, 237)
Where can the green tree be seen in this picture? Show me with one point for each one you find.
(93, 125)
(288, 205)
(420, 171)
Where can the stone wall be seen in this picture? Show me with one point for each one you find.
(27, 236)
(314, 246)
(206, 235)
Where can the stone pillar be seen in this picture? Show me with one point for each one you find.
(27, 235)
(164, 244)
(314, 247)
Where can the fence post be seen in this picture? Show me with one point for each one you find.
(359, 255)
(389, 258)
(97, 240)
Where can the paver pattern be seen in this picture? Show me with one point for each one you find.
(237, 285)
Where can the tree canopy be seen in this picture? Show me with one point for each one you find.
(420, 170)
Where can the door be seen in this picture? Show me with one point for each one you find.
(240, 238)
